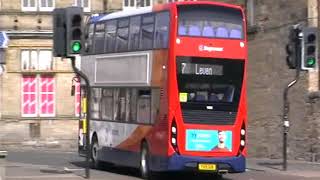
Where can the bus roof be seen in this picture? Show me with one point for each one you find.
(208, 3)
(123, 13)
(144, 10)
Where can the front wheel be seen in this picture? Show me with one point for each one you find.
(144, 163)
(94, 154)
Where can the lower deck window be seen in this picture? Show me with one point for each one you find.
(134, 105)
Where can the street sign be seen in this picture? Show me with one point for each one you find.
(3, 39)
(2, 56)
(3, 44)
(1, 71)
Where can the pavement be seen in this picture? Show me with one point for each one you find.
(294, 168)
(18, 166)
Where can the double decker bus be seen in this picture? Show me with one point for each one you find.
(168, 88)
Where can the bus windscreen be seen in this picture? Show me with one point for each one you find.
(210, 22)
(209, 88)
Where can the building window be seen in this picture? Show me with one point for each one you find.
(83, 3)
(145, 3)
(36, 60)
(29, 96)
(46, 5)
(131, 4)
(35, 5)
(38, 96)
(47, 94)
(29, 5)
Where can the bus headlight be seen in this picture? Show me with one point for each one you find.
(243, 132)
(174, 141)
(174, 130)
(174, 135)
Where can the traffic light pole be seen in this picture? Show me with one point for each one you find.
(88, 147)
(286, 103)
(286, 123)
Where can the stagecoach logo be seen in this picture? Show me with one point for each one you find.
(210, 49)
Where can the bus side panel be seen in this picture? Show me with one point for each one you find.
(158, 138)
(119, 142)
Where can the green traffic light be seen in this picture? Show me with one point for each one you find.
(76, 47)
(311, 62)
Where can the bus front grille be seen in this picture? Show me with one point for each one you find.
(209, 117)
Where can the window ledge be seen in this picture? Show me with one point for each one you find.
(37, 71)
(46, 9)
(27, 9)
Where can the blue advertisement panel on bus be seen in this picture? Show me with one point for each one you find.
(208, 140)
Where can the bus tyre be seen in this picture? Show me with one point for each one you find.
(218, 176)
(144, 162)
(94, 154)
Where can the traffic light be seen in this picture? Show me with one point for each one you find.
(59, 31)
(74, 35)
(293, 48)
(309, 59)
(67, 31)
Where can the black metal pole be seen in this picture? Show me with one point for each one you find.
(88, 147)
(286, 109)
(286, 104)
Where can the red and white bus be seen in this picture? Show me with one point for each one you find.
(168, 87)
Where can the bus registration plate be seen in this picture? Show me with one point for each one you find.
(207, 167)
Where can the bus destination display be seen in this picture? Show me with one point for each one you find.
(201, 69)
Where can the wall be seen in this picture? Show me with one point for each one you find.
(268, 74)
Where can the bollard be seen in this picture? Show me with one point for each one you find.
(3, 155)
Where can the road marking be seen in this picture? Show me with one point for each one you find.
(42, 177)
(253, 169)
(67, 169)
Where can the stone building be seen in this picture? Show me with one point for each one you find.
(268, 75)
(37, 108)
(28, 24)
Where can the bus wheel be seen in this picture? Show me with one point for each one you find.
(218, 176)
(94, 154)
(144, 162)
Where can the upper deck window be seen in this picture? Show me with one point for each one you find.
(99, 38)
(147, 30)
(122, 35)
(210, 21)
(111, 28)
(133, 33)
